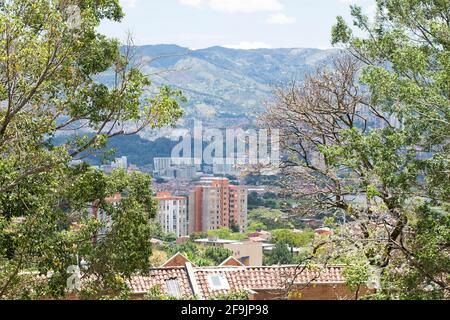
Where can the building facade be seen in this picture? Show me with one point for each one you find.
(120, 163)
(248, 253)
(161, 164)
(173, 213)
(214, 204)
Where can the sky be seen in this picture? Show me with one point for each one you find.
(243, 24)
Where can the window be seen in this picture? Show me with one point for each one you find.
(173, 288)
(218, 282)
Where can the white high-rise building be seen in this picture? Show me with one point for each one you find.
(173, 213)
(161, 164)
(120, 163)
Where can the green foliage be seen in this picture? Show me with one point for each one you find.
(428, 274)
(198, 235)
(234, 227)
(294, 239)
(155, 293)
(200, 255)
(48, 72)
(156, 230)
(356, 275)
(217, 254)
(281, 254)
(406, 70)
(268, 219)
(234, 295)
(225, 233)
(256, 201)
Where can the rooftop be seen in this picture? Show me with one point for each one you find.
(218, 241)
(207, 282)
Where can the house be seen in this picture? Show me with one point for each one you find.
(172, 213)
(248, 252)
(179, 278)
(292, 282)
(260, 234)
(231, 262)
(177, 259)
(257, 239)
(324, 231)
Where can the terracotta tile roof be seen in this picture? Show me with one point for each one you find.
(238, 278)
(274, 277)
(177, 260)
(231, 261)
(158, 278)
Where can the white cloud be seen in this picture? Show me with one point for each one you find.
(280, 18)
(245, 6)
(193, 3)
(247, 45)
(128, 3)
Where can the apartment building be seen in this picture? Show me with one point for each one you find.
(161, 164)
(173, 213)
(214, 203)
(120, 163)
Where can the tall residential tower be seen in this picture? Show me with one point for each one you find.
(214, 203)
(173, 213)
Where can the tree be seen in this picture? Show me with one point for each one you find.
(225, 233)
(50, 58)
(233, 295)
(368, 139)
(234, 227)
(294, 239)
(217, 254)
(158, 258)
(270, 218)
(281, 254)
(156, 230)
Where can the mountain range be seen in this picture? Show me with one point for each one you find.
(224, 83)
(224, 87)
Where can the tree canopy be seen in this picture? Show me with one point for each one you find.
(50, 58)
(368, 140)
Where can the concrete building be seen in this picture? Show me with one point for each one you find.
(173, 213)
(249, 253)
(186, 172)
(189, 162)
(120, 163)
(214, 203)
(176, 168)
(161, 164)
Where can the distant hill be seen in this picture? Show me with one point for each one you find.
(225, 87)
(223, 83)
